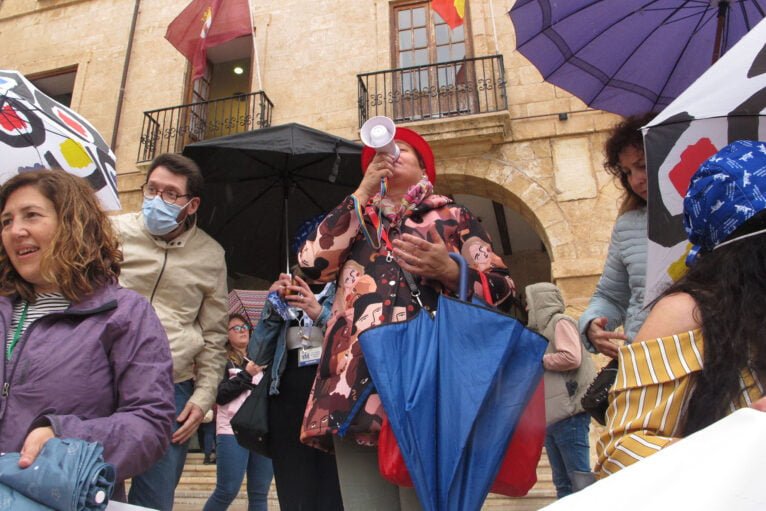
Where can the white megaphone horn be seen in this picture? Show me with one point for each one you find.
(378, 133)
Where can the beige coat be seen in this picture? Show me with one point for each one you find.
(185, 281)
(563, 389)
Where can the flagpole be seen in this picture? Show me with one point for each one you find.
(494, 27)
(255, 48)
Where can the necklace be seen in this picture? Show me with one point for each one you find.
(17, 332)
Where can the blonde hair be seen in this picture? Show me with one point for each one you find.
(231, 353)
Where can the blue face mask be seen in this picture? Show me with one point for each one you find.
(160, 217)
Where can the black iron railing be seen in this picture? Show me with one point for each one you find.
(446, 89)
(170, 129)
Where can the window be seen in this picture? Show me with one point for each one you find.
(198, 113)
(220, 102)
(432, 83)
(424, 38)
(57, 85)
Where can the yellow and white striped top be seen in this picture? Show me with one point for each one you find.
(650, 395)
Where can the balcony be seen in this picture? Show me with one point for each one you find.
(169, 130)
(447, 89)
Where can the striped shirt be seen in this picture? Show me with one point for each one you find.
(651, 395)
(45, 303)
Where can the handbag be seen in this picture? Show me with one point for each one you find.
(595, 401)
(251, 422)
(390, 460)
(518, 471)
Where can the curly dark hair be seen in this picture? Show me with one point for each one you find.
(84, 253)
(626, 134)
(729, 286)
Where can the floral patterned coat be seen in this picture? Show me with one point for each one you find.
(371, 291)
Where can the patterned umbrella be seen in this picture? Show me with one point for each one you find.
(38, 132)
(247, 303)
(725, 104)
(629, 56)
(68, 475)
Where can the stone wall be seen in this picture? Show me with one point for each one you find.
(310, 52)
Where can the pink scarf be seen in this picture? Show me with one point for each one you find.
(397, 211)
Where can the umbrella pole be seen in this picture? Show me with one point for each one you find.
(723, 8)
(287, 241)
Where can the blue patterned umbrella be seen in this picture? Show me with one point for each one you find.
(68, 475)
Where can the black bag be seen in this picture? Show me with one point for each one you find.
(251, 422)
(595, 401)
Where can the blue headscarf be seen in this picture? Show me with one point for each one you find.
(726, 191)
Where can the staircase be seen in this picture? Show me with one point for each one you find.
(198, 481)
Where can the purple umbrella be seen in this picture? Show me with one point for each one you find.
(629, 56)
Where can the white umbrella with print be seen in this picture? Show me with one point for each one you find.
(38, 132)
(726, 103)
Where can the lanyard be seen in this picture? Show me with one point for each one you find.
(381, 233)
(17, 332)
(374, 242)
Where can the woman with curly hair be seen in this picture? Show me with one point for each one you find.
(700, 354)
(619, 297)
(84, 358)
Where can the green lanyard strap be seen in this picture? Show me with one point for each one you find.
(17, 332)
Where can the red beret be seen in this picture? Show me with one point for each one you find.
(417, 142)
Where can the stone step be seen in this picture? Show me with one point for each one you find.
(206, 485)
(196, 500)
(206, 474)
(198, 480)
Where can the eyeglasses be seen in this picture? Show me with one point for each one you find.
(167, 196)
(240, 328)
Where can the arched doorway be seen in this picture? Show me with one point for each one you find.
(538, 232)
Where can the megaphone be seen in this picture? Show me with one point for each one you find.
(378, 133)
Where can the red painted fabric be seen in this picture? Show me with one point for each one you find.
(207, 23)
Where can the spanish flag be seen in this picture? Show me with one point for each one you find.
(452, 11)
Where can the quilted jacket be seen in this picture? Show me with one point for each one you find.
(619, 294)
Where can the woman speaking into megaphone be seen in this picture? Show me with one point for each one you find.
(366, 244)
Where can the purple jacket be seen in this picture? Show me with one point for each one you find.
(99, 371)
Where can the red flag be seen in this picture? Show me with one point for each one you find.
(452, 11)
(207, 23)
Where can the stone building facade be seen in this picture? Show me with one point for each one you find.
(539, 156)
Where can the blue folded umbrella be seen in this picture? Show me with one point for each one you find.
(454, 388)
(68, 475)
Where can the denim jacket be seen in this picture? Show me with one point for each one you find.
(268, 343)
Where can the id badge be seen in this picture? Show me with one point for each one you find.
(309, 356)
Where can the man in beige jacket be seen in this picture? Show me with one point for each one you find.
(182, 272)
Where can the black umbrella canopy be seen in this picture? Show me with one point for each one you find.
(260, 186)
